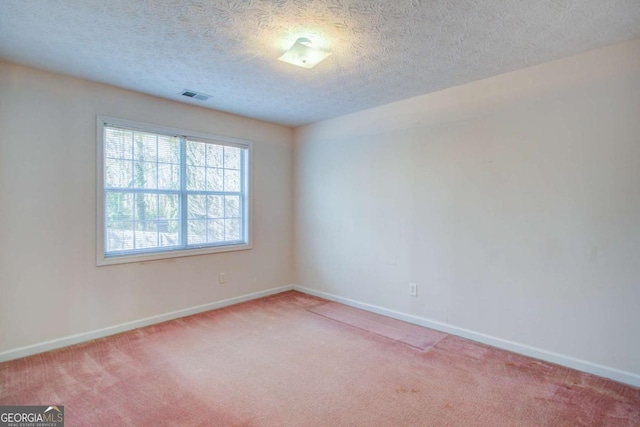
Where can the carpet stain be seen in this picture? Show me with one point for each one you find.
(403, 332)
(406, 390)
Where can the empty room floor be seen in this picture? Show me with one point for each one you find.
(292, 360)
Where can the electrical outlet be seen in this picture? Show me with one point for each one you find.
(413, 289)
(222, 278)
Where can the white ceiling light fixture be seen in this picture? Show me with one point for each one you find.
(303, 54)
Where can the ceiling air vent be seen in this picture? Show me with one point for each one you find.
(195, 95)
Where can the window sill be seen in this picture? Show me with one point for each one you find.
(144, 257)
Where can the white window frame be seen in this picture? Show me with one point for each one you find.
(101, 259)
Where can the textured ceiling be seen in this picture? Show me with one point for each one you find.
(383, 51)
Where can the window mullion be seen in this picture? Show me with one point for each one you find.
(243, 190)
(183, 191)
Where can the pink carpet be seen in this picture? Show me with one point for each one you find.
(273, 362)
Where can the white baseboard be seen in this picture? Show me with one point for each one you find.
(548, 356)
(123, 327)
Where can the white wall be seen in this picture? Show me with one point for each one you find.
(513, 202)
(50, 286)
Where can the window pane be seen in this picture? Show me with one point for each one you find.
(119, 236)
(231, 158)
(168, 149)
(216, 207)
(118, 206)
(146, 207)
(215, 230)
(168, 233)
(118, 173)
(196, 231)
(118, 143)
(231, 180)
(196, 152)
(168, 176)
(145, 175)
(145, 147)
(215, 156)
(214, 179)
(232, 206)
(196, 206)
(232, 229)
(168, 206)
(196, 178)
(146, 235)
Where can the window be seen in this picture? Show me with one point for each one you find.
(167, 192)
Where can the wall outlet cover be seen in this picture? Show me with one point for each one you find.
(413, 289)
